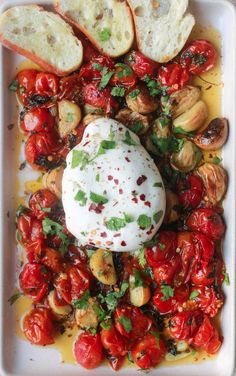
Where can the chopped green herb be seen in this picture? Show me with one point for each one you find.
(162, 246)
(141, 257)
(83, 302)
(93, 331)
(157, 216)
(194, 352)
(128, 218)
(180, 130)
(144, 221)
(129, 356)
(194, 294)
(106, 76)
(153, 86)
(115, 223)
(53, 228)
(128, 139)
(97, 177)
(125, 72)
(138, 280)
(101, 314)
(134, 94)
(216, 160)
(167, 292)
(20, 210)
(13, 86)
(137, 127)
(19, 236)
(104, 35)
(97, 66)
(164, 121)
(126, 323)
(152, 242)
(69, 117)
(81, 197)
(111, 299)
(226, 278)
(158, 185)
(89, 252)
(167, 144)
(106, 325)
(15, 297)
(118, 91)
(79, 158)
(98, 199)
(157, 337)
(106, 145)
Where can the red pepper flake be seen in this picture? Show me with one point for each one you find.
(86, 143)
(103, 235)
(150, 231)
(127, 159)
(110, 177)
(147, 203)
(123, 243)
(135, 200)
(96, 208)
(116, 181)
(141, 180)
(117, 235)
(142, 197)
(121, 191)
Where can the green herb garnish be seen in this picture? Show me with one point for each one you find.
(144, 221)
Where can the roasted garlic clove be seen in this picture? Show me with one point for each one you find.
(161, 127)
(87, 318)
(172, 205)
(191, 120)
(215, 180)
(139, 295)
(136, 122)
(102, 267)
(187, 158)
(69, 117)
(59, 310)
(142, 103)
(214, 136)
(182, 351)
(181, 100)
(88, 109)
(89, 118)
(52, 180)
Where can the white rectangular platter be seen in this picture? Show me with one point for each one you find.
(18, 357)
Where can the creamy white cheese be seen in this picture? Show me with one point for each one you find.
(112, 191)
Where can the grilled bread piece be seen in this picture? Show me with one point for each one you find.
(107, 23)
(43, 37)
(162, 27)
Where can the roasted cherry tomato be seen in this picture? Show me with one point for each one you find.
(100, 98)
(113, 342)
(26, 84)
(205, 247)
(39, 147)
(123, 76)
(149, 351)
(190, 191)
(47, 84)
(163, 250)
(51, 258)
(72, 284)
(89, 52)
(38, 327)
(42, 203)
(142, 65)
(71, 89)
(206, 299)
(88, 350)
(199, 56)
(131, 322)
(184, 325)
(38, 120)
(204, 275)
(188, 253)
(95, 68)
(115, 362)
(207, 338)
(34, 281)
(170, 304)
(173, 76)
(167, 271)
(76, 255)
(30, 229)
(208, 222)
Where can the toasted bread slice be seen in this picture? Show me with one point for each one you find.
(107, 23)
(43, 37)
(162, 27)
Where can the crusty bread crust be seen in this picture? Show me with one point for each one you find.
(39, 60)
(94, 41)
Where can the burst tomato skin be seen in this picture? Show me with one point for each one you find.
(124, 76)
(171, 305)
(94, 69)
(141, 64)
(34, 281)
(203, 275)
(140, 323)
(149, 351)
(38, 120)
(167, 271)
(71, 88)
(113, 342)
(30, 229)
(46, 84)
(206, 221)
(205, 247)
(26, 84)
(163, 251)
(41, 203)
(38, 327)
(207, 337)
(208, 300)
(100, 98)
(184, 325)
(88, 350)
(189, 256)
(190, 191)
(199, 56)
(51, 258)
(173, 76)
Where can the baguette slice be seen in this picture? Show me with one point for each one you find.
(43, 37)
(107, 23)
(162, 27)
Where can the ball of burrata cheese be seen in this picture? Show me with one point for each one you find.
(112, 192)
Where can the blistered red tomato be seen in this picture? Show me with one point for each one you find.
(30, 229)
(141, 65)
(38, 120)
(42, 203)
(206, 299)
(38, 327)
(94, 70)
(173, 77)
(113, 342)
(103, 99)
(71, 88)
(123, 76)
(184, 325)
(208, 222)
(51, 258)
(34, 281)
(207, 337)
(188, 253)
(170, 304)
(89, 52)
(163, 250)
(199, 56)
(149, 351)
(26, 84)
(190, 191)
(88, 350)
(205, 247)
(47, 84)
(167, 272)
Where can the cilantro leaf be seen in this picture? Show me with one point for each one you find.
(98, 199)
(129, 356)
(81, 197)
(97, 67)
(97, 177)
(134, 94)
(106, 325)
(126, 323)
(157, 337)
(125, 70)
(115, 223)
(106, 76)
(69, 117)
(128, 139)
(158, 185)
(128, 218)
(157, 216)
(141, 257)
(167, 144)
(180, 130)
(216, 160)
(104, 35)
(20, 210)
(137, 127)
(167, 292)
(15, 297)
(226, 279)
(79, 158)
(111, 299)
(53, 228)
(138, 280)
(144, 221)
(194, 294)
(83, 302)
(118, 91)
(106, 145)
(13, 86)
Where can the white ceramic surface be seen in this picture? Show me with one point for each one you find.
(15, 354)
